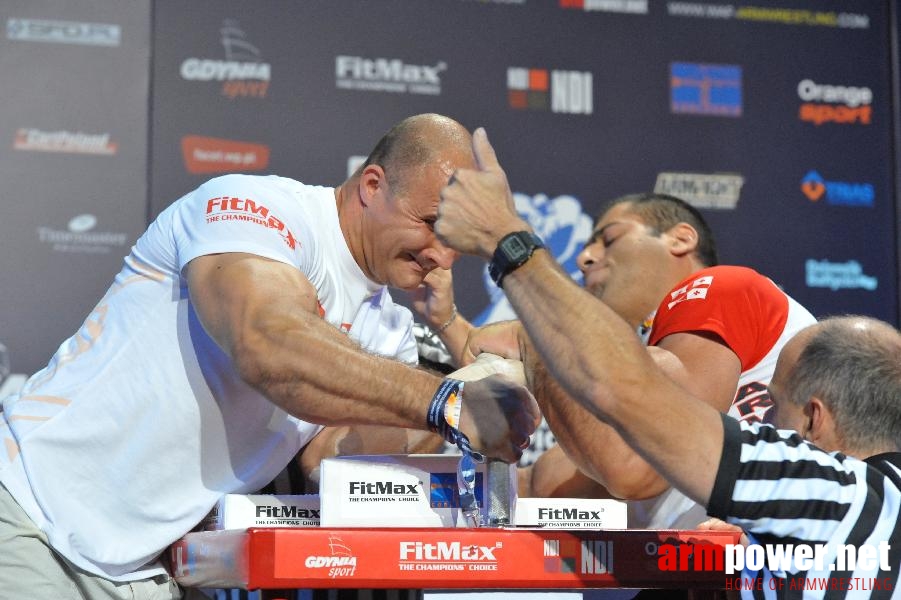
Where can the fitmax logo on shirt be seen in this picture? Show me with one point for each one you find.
(837, 193)
(224, 208)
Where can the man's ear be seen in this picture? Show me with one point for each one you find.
(822, 430)
(683, 239)
(372, 181)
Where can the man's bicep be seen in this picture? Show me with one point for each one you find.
(702, 364)
(234, 291)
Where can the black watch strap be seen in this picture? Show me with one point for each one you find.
(512, 252)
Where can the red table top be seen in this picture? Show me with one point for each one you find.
(442, 558)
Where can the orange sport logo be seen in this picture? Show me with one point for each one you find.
(843, 105)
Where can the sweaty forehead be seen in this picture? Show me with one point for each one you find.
(450, 161)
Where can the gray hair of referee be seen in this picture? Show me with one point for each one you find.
(852, 363)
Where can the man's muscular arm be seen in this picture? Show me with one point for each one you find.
(599, 361)
(264, 315)
(701, 365)
(594, 453)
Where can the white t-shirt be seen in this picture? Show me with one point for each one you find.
(139, 423)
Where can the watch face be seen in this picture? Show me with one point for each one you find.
(514, 248)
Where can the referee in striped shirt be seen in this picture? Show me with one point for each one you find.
(838, 385)
(779, 488)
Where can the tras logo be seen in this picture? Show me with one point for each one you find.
(837, 193)
(845, 105)
(243, 72)
(563, 226)
(567, 92)
(701, 89)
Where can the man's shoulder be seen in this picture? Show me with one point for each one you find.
(266, 192)
(732, 272)
(734, 279)
(725, 280)
(245, 181)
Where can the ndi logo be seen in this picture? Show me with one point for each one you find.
(567, 92)
(701, 89)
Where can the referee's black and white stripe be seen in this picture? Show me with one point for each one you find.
(783, 490)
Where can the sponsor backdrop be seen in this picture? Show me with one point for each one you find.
(774, 117)
(73, 162)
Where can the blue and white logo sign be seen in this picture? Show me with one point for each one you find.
(563, 226)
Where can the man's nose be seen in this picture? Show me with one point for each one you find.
(588, 256)
(441, 255)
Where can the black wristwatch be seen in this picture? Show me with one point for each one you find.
(512, 252)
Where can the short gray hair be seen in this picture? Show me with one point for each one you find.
(853, 364)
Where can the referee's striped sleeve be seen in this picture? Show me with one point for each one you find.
(727, 474)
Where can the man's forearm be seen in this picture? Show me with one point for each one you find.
(600, 363)
(594, 447)
(318, 374)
